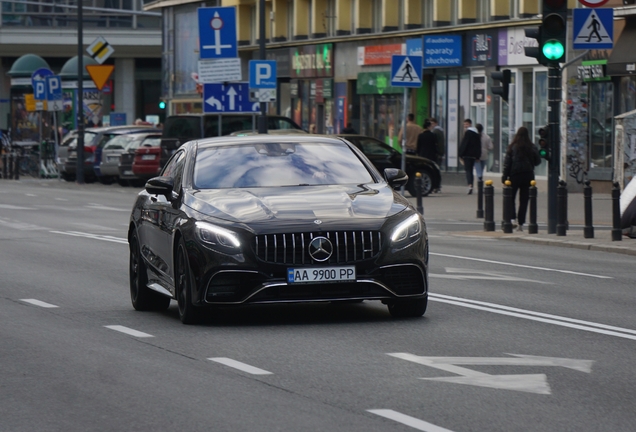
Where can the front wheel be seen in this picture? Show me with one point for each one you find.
(408, 308)
(427, 184)
(188, 312)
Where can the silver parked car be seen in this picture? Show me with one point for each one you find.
(116, 146)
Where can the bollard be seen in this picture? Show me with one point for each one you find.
(489, 195)
(4, 166)
(480, 199)
(508, 204)
(10, 164)
(588, 229)
(16, 170)
(418, 192)
(617, 233)
(533, 228)
(562, 203)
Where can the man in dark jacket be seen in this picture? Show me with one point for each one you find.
(427, 143)
(470, 151)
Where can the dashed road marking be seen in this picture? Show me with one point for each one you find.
(93, 236)
(240, 366)
(39, 303)
(128, 331)
(413, 422)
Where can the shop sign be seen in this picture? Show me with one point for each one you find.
(511, 50)
(324, 90)
(481, 49)
(441, 51)
(293, 88)
(379, 54)
(311, 61)
(319, 91)
(479, 89)
(593, 70)
(414, 47)
(376, 83)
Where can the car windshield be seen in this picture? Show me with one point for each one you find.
(278, 164)
(118, 142)
(150, 142)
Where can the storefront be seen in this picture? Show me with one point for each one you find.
(381, 106)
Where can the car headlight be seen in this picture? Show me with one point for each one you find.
(408, 230)
(217, 238)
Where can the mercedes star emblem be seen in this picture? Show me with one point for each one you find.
(320, 249)
(317, 221)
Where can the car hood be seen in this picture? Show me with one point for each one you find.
(333, 202)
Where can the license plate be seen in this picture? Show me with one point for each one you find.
(148, 157)
(321, 274)
(113, 158)
(127, 172)
(72, 154)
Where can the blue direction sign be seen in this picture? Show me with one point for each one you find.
(217, 32)
(406, 71)
(38, 81)
(593, 28)
(262, 74)
(228, 98)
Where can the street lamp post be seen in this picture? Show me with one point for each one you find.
(80, 95)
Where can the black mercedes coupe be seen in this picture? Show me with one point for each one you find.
(275, 219)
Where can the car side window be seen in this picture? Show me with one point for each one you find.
(174, 168)
(375, 148)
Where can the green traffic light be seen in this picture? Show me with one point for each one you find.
(553, 50)
(162, 105)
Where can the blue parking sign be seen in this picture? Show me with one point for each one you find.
(53, 87)
(262, 74)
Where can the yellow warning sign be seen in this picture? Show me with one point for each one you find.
(29, 101)
(100, 74)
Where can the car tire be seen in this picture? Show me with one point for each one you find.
(427, 184)
(67, 177)
(142, 297)
(123, 182)
(188, 312)
(408, 308)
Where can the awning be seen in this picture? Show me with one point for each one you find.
(622, 61)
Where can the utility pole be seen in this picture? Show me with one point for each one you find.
(262, 119)
(80, 95)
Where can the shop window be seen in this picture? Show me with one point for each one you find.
(601, 130)
(483, 10)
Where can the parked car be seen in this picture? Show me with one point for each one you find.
(146, 162)
(179, 129)
(92, 139)
(384, 156)
(62, 152)
(275, 219)
(109, 166)
(125, 166)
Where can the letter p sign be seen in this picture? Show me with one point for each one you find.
(262, 74)
(39, 92)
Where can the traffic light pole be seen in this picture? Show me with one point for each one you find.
(554, 138)
(262, 119)
(79, 176)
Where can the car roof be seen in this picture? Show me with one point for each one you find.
(267, 138)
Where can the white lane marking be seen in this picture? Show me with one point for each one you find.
(31, 195)
(12, 207)
(522, 266)
(61, 199)
(94, 206)
(128, 331)
(537, 316)
(413, 422)
(240, 366)
(39, 303)
(93, 236)
(468, 274)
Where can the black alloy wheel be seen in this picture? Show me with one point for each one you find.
(427, 184)
(142, 297)
(188, 312)
(408, 308)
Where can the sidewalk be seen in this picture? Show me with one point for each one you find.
(455, 206)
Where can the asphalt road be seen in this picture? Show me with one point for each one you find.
(518, 337)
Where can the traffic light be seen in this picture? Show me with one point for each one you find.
(544, 143)
(554, 30)
(162, 105)
(502, 89)
(532, 51)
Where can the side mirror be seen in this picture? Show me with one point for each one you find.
(160, 186)
(396, 178)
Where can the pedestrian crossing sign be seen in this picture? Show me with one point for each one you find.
(593, 28)
(406, 71)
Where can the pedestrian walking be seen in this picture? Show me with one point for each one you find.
(521, 158)
(349, 129)
(470, 151)
(486, 148)
(412, 132)
(441, 144)
(427, 143)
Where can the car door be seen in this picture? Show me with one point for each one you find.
(157, 227)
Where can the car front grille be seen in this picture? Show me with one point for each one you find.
(293, 248)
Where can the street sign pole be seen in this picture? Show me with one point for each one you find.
(404, 114)
(79, 177)
(554, 138)
(262, 119)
